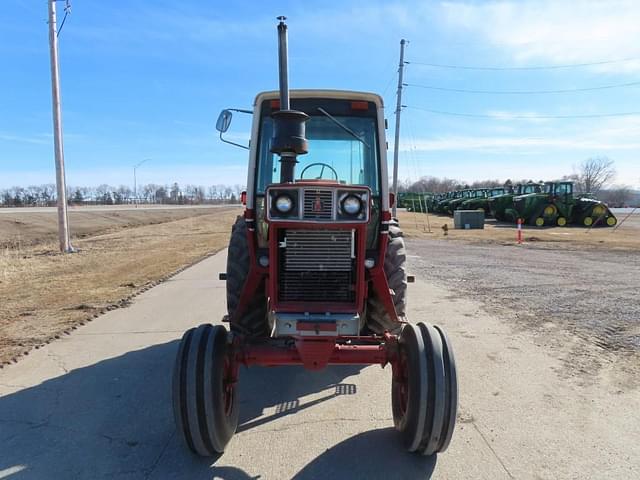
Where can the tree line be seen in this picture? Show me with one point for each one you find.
(170, 194)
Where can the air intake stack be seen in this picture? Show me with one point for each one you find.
(288, 125)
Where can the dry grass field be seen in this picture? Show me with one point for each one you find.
(24, 227)
(625, 238)
(45, 293)
(122, 252)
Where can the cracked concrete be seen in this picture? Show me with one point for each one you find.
(96, 404)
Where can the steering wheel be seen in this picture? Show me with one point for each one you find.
(323, 165)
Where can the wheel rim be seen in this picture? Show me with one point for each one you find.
(409, 390)
(229, 387)
(539, 222)
(611, 221)
(549, 210)
(562, 221)
(598, 210)
(588, 221)
(403, 384)
(204, 396)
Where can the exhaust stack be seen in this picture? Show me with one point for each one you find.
(288, 125)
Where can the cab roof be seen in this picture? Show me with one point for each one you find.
(308, 93)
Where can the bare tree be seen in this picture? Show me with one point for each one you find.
(213, 192)
(486, 183)
(595, 172)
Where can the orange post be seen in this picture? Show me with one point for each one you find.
(519, 231)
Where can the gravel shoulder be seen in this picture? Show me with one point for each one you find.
(577, 296)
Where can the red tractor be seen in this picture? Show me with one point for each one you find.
(315, 272)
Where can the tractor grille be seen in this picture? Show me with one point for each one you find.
(318, 204)
(316, 266)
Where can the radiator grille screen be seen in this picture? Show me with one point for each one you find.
(317, 265)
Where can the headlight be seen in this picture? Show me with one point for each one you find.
(284, 204)
(351, 205)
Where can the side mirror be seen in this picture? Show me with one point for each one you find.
(224, 120)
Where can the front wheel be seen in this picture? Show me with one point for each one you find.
(205, 402)
(424, 393)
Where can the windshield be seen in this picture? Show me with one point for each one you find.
(564, 189)
(339, 154)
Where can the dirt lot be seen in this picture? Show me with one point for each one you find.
(45, 293)
(626, 237)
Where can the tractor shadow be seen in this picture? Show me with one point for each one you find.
(282, 387)
(114, 418)
(372, 454)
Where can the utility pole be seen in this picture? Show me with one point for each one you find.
(135, 184)
(396, 142)
(61, 187)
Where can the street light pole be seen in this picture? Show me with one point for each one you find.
(63, 219)
(135, 184)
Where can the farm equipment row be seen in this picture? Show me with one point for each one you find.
(538, 204)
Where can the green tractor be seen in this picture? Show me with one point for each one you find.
(454, 203)
(482, 198)
(501, 206)
(580, 210)
(443, 205)
(467, 195)
(537, 208)
(479, 200)
(418, 202)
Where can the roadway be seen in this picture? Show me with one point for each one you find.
(96, 404)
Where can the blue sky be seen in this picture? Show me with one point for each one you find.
(147, 79)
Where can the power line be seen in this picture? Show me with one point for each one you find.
(384, 92)
(523, 92)
(507, 116)
(67, 11)
(535, 67)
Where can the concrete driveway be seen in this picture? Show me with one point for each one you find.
(96, 405)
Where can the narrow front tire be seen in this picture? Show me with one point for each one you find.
(205, 403)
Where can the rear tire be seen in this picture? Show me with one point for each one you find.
(378, 319)
(253, 321)
(205, 406)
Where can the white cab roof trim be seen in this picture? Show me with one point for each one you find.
(339, 94)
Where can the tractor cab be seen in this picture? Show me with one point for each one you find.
(528, 188)
(563, 189)
(319, 224)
